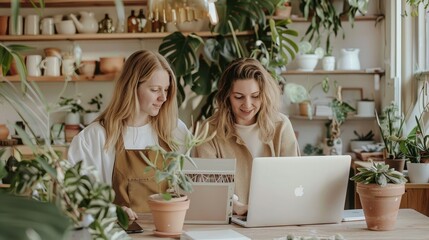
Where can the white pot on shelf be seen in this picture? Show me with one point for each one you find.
(328, 63)
(72, 118)
(366, 108)
(418, 172)
(307, 62)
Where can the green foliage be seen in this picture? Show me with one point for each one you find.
(379, 173)
(310, 150)
(391, 124)
(23, 218)
(73, 104)
(272, 44)
(364, 137)
(340, 110)
(414, 5)
(97, 101)
(172, 163)
(325, 21)
(298, 93)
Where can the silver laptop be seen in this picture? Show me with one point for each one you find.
(213, 189)
(296, 191)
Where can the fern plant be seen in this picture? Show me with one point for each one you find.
(378, 173)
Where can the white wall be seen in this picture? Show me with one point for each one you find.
(365, 36)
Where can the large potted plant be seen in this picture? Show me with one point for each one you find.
(170, 205)
(380, 191)
(71, 190)
(390, 124)
(270, 41)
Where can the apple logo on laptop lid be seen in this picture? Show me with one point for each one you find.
(299, 191)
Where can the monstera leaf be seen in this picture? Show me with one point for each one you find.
(243, 14)
(181, 52)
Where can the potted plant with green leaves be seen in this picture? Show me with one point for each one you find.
(301, 95)
(91, 114)
(74, 110)
(391, 124)
(380, 190)
(326, 19)
(201, 73)
(60, 196)
(308, 56)
(170, 205)
(362, 139)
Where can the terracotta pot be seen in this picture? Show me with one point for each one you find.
(111, 64)
(283, 12)
(305, 109)
(380, 204)
(71, 131)
(13, 70)
(168, 216)
(87, 68)
(3, 25)
(397, 164)
(4, 132)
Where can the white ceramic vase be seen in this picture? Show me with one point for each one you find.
(72, 118)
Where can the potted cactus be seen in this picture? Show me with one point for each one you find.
(380, 189)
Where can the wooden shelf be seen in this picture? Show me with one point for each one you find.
(324, 118)
(104, 36)
(78, 78)
(335, 72)
(74, 3)
(357, 18)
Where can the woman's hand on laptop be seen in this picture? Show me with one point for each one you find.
(238, 207)
(131, 214)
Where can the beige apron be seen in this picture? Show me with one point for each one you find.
(131, 184)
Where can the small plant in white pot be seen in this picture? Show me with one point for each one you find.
(328, 61)
(380, 190)
(308, 57)
(75, 108)
(361, 140)
(169, 207)
(72, 120)
(91, 114)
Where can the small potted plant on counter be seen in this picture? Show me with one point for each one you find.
(91, 114)
(170, 205)
(391, 124)
(380, 190)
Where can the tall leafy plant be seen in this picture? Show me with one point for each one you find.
(272, 44)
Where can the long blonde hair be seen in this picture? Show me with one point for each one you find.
(124, 105)
(241, 69)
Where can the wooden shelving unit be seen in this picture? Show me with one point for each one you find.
(104, 36)
(357, 18)
(335, 72)
(78, 78)
(324, 118)
(74, 3)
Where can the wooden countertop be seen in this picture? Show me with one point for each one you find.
(410, 225)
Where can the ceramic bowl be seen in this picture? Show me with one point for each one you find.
(87, 68)
(307, 62)
(111, 64)
(65, 27)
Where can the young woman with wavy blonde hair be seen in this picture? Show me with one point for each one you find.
(248, 123)
(142, 112)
